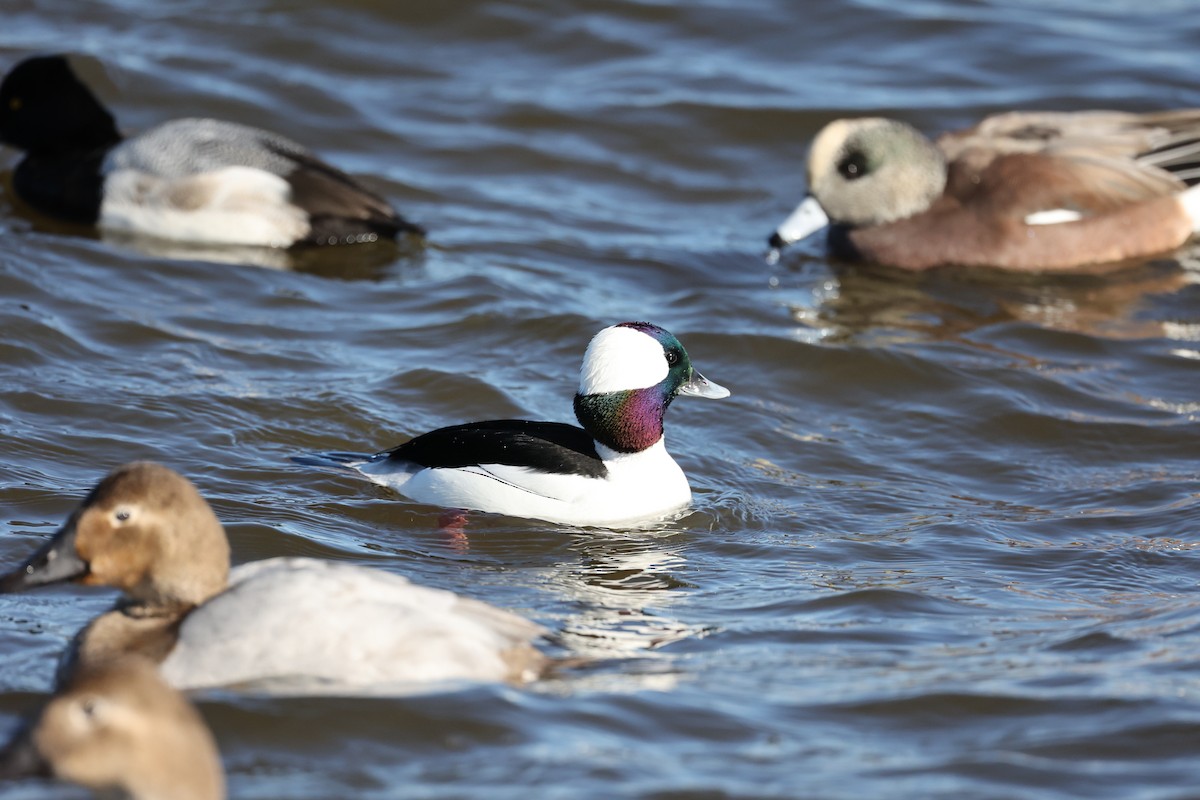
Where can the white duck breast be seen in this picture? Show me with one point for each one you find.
(301, 624)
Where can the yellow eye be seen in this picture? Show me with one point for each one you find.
(14, 104)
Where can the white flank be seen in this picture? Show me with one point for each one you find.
(807, 219)
(1054, 216)
(1190, 200)
(233, 206)
(618, 359)
(640, 489)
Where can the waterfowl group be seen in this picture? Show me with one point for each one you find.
(1022, 192)
(299, 625)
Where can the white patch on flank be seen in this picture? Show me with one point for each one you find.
(232, 205)
(1053, 216)
(618, 359)
(807, 219)
(1190, 200)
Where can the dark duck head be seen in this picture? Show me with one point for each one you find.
(631, 372)
(46, 109)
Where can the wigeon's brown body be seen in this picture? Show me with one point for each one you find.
(310, 625)
(1028, 192)
(117, 726)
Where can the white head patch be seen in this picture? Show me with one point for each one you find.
(619, 359)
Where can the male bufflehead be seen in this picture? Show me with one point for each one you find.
(613, 471)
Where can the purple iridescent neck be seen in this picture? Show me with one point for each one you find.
(628, 421)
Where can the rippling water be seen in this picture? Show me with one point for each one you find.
(944, 531)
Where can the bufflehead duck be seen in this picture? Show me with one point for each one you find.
(1021, 191)
(613, 471)
(118, 727)
(203, 181)
(282, 625)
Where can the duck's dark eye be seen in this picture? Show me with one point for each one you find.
(672, 357)
(14, 104)
(853, 166)
(122, 515)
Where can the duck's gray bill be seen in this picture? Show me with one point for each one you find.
(54, 562)
(700, 386)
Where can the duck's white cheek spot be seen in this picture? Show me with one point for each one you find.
(619, 359)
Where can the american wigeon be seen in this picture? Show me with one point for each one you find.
(204, 181)
(287, 625)
(614, 471)
(1040, 191)
(118, 728)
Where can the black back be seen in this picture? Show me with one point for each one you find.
(553, 447)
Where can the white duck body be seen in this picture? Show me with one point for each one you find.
(639, 488)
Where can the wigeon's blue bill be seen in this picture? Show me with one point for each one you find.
(807, 219)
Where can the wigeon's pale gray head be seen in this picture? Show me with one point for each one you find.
(118, 727)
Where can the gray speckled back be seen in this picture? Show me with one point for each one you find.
(193, 145)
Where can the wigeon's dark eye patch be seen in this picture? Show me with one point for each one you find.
(852, 166)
